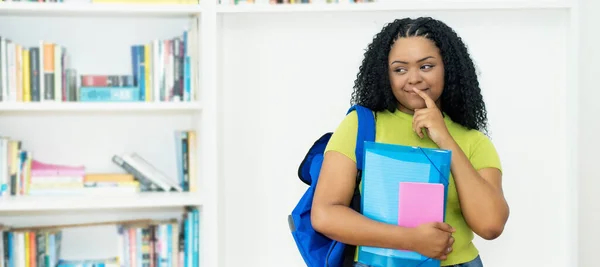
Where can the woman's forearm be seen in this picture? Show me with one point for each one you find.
(341, 223)
(482, 204)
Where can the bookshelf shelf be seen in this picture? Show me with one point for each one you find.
(100, 106)
(409, 5)
(17, 8)
(99, 201)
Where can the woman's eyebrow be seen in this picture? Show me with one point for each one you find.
(404, 62)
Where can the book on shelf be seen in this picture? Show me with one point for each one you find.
(173, 242)
(21, 174)
(21, 247)
(162, 70)
(185, 151)
(108, 262)
(35, 73)
(152, 179)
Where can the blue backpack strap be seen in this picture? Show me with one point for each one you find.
(366, 131)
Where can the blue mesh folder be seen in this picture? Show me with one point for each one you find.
(385, 167)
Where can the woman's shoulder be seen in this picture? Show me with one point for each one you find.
(482, 151)
(343, 139)
(468, 137)
(478, 147)
(473, 134)
(458, 130)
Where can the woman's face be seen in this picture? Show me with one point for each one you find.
(415, 62)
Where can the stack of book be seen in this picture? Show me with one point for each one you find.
(108, 88)
(111, 183)
(173, 242)
(39, 178)
(50, 179)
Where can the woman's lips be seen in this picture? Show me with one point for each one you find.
(410, 91)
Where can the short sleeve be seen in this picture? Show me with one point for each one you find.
(343, 139)
(484, 154)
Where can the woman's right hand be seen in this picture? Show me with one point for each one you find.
(433, 240)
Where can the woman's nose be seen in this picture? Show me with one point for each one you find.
(414, 77)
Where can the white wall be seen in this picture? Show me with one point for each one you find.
(589, 130)
(287, 78)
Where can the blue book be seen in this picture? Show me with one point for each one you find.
(386, 167)
(109, 94)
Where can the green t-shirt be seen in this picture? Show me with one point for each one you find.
(396, 128)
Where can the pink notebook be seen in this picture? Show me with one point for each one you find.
(39, 168)
(420, 203)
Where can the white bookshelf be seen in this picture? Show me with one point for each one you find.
(99, 37)
(98, 202)
(101, 106)
(229, 165)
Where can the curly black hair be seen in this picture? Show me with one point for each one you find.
(461, 98)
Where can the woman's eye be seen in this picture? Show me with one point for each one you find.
(426, 67)
(400, 70)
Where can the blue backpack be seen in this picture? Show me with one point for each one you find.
(316, 249)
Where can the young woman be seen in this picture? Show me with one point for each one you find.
(418, 78)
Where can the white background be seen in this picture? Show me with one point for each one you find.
(589, 144)
(287, 78)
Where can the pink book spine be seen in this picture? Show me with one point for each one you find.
(70, 173)
(43, 169)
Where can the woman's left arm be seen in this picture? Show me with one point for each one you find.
(480, 193)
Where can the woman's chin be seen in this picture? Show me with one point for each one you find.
(410, 109)
(413, 106)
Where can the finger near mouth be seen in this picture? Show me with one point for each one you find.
(413, 92)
